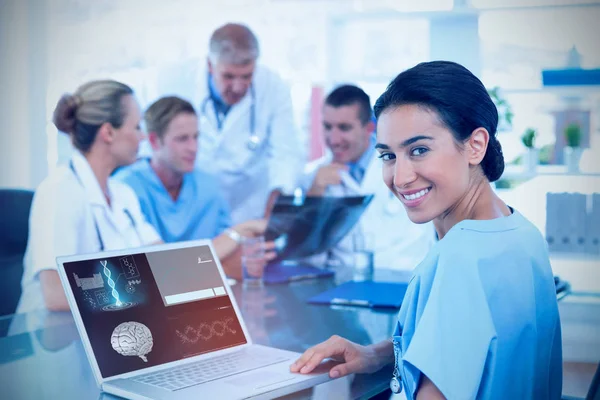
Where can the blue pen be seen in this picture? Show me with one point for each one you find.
(301, 277)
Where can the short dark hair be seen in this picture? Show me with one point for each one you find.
(457, 96)
(347, 95)
(160, 113)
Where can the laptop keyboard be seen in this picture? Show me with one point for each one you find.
(209, 370)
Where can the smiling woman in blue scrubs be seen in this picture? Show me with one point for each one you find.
(480, 317)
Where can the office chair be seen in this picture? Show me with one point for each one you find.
(594, 390)
(563, 288)
(15, 205)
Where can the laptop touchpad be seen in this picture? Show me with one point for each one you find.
(260, 379)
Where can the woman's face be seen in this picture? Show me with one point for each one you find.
(128, 136)
(423, 164)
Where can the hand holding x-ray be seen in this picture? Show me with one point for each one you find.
(312, 225)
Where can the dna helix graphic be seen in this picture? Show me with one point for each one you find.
(205, 331)
(111, 283)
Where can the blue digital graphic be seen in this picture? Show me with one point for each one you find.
(111, 283)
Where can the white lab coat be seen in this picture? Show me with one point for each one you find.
(384, 228)
(61, 222)
(248, 176)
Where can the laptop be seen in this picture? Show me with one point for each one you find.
(160, 322)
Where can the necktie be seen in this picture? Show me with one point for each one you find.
(357, 173)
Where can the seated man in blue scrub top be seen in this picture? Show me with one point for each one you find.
(179, 200)
(479, 319)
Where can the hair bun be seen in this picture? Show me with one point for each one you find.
(493, 161)
(65, 111)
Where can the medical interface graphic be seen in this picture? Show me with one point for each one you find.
(100, 291)
(132, 339)
(146, 309)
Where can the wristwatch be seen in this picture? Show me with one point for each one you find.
(234, 235)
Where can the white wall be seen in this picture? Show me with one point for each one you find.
(22, 79)
(455, 37)
(48, 47)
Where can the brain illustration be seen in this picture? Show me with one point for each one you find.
(132, 339)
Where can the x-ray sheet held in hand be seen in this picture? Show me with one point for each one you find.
(313, 225)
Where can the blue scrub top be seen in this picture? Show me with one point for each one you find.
(480, 316)
(200, 212)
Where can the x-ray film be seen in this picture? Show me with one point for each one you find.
(315, 225)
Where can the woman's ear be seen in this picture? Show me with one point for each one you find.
(106, 133)
(477, 145)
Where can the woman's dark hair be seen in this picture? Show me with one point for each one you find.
(457, 96)
(81, 114)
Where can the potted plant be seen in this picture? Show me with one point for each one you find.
(531, 156)
(572, 151)
(505, 113)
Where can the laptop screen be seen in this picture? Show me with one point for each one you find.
(147, 309)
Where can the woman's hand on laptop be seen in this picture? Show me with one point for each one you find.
(352, 357)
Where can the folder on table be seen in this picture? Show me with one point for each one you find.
(364, 294)
(286, 272)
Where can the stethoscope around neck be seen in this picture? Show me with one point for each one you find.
(253, 141)
(98, 234)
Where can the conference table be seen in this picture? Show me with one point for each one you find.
(42, 357)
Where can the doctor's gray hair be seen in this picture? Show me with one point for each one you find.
(233, 44)
(82, 114)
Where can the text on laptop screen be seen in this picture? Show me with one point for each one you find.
(148, 309)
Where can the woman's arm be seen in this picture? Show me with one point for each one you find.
(53, 292)
(55, 229)
(428, 391)
(224, 246)
(229, 250)
(230, 254)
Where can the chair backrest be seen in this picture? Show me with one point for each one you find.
(15, 205)
(563, 288)
(594, 391)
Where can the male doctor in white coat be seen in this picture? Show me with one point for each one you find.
(351, 167)
(247, 134)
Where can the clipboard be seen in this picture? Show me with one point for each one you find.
(287, 272)
(363, 294)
